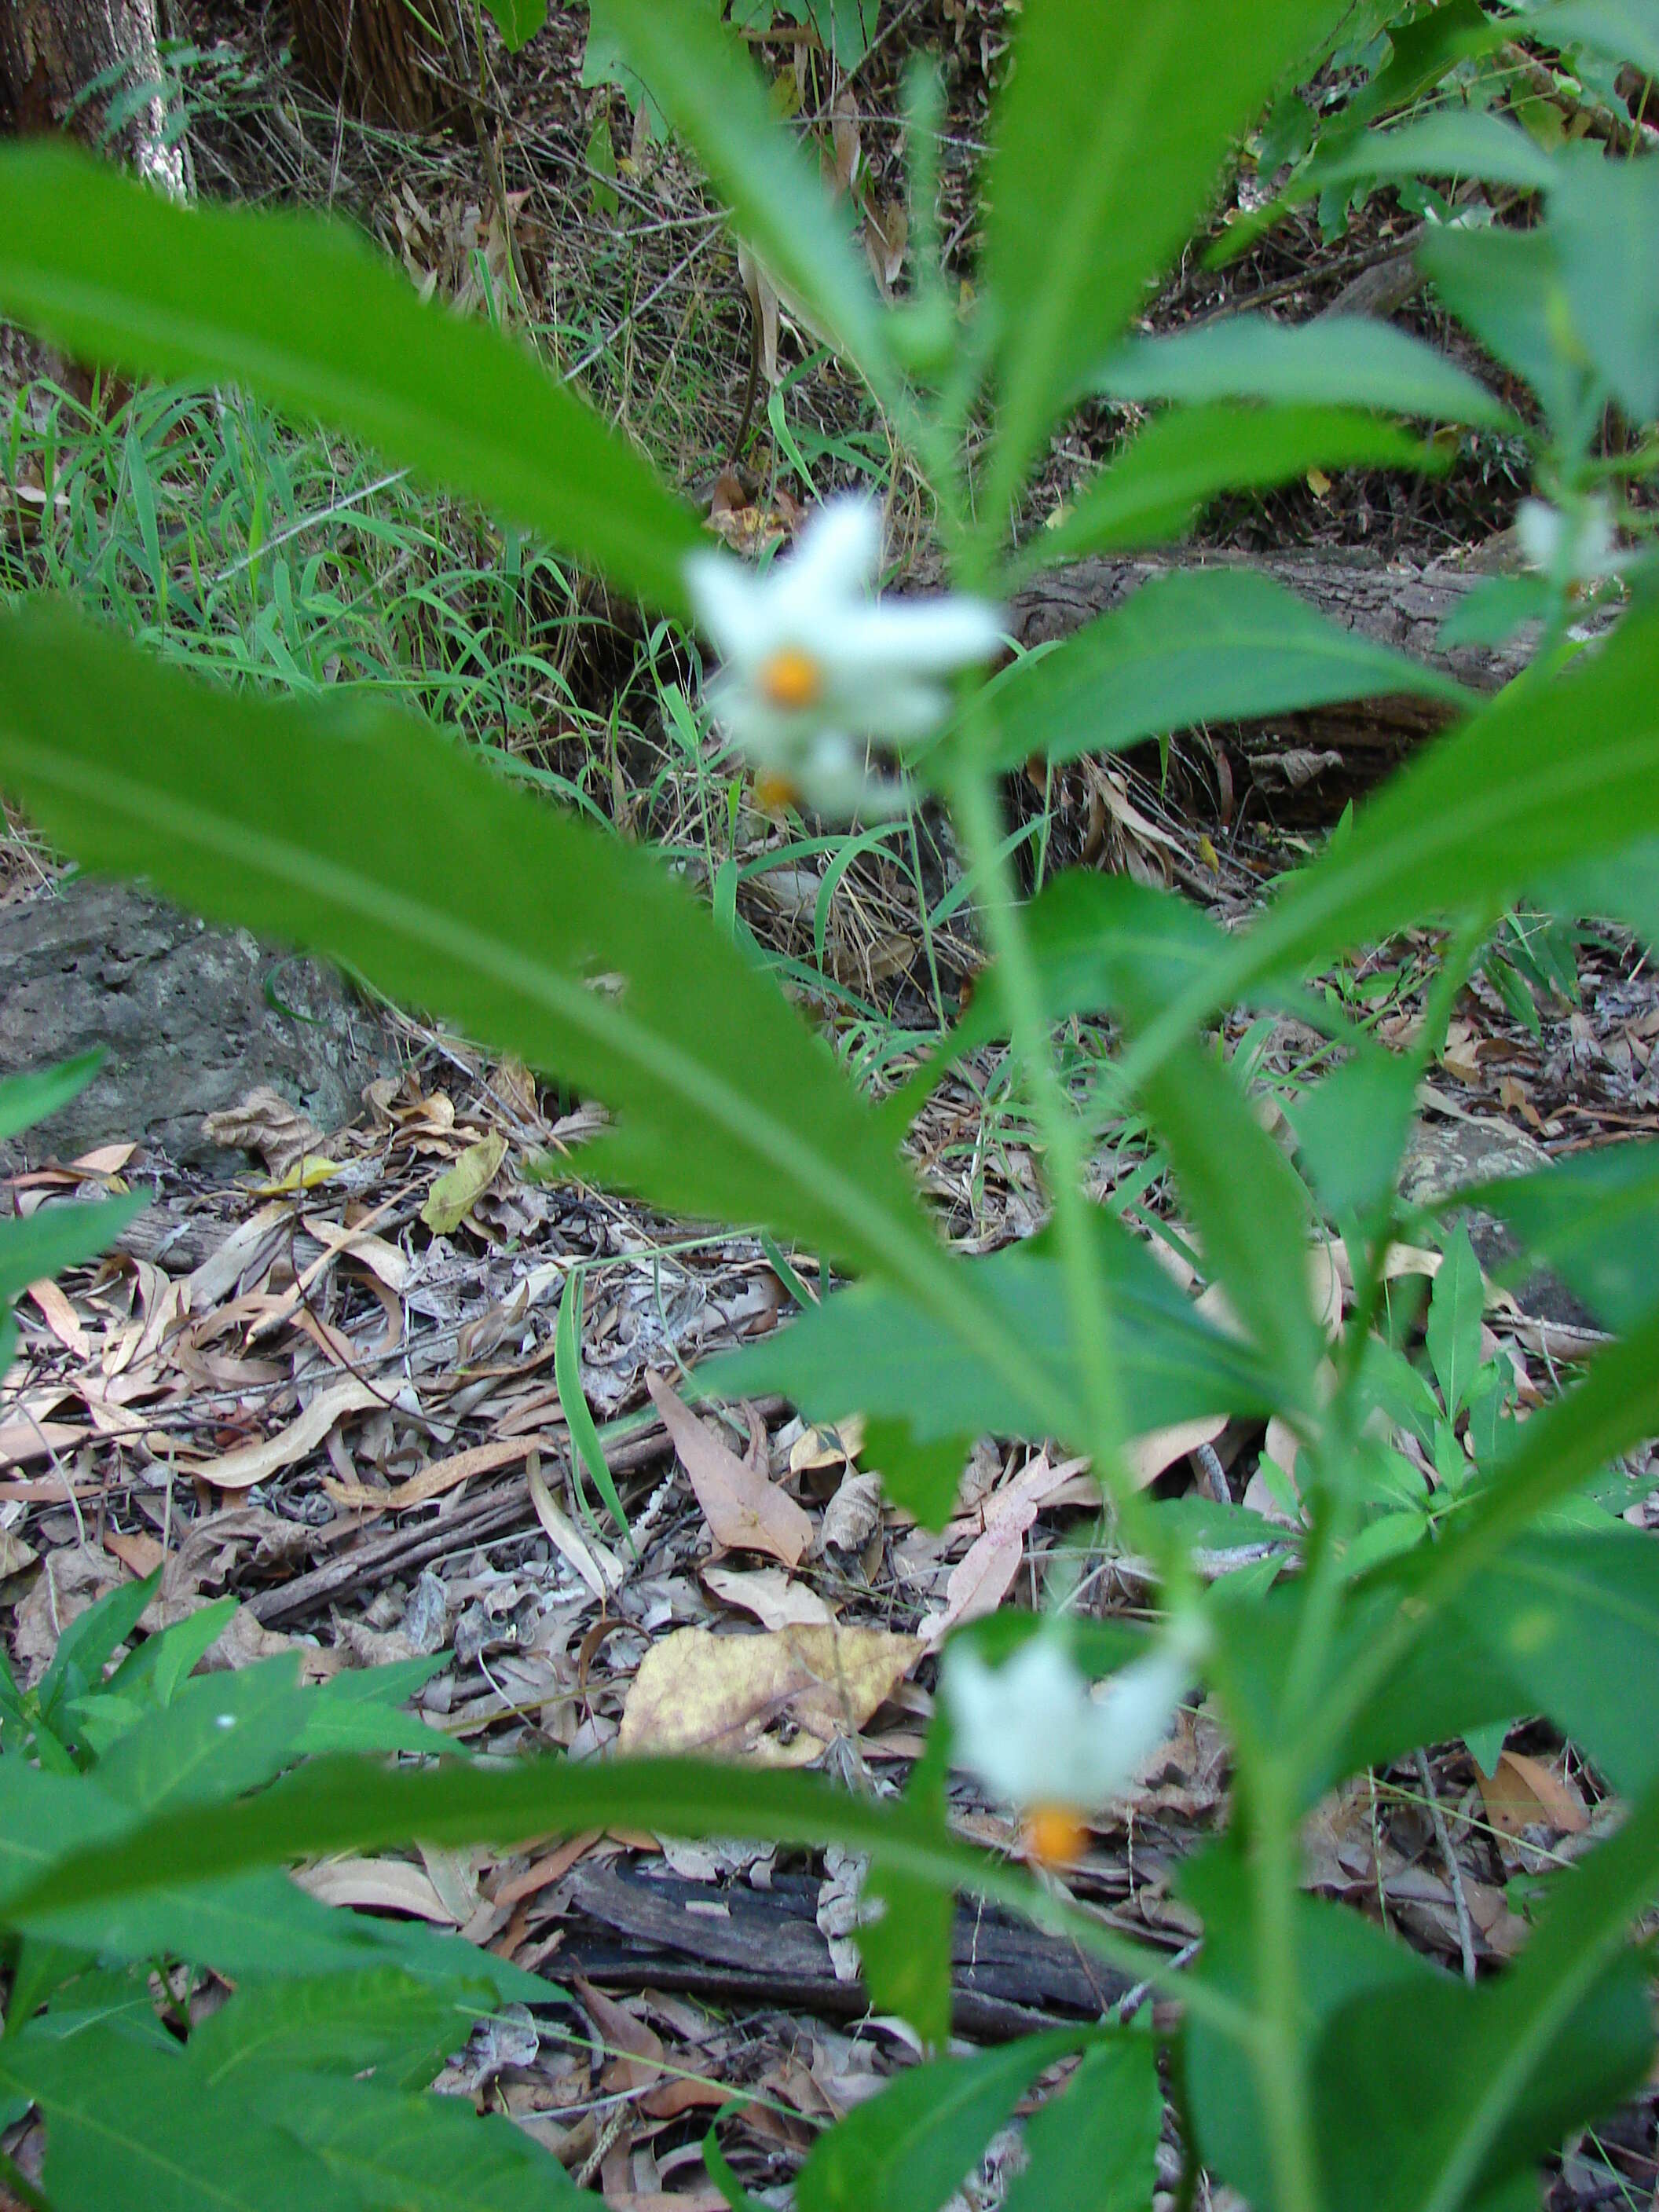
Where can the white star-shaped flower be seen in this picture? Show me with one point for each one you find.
(812, 668)
(1038, 1737)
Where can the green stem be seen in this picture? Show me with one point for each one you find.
(1278, 2048)
(1087, 1294)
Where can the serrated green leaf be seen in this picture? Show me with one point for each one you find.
(692, 66)
(906, 2149)
(304, 313)
(1156, 487)
(1107, 143)
(1215, 645)
(478, 901)
(1336, 361)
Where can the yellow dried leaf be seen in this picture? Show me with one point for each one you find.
(778, 1699)
(455, 1192)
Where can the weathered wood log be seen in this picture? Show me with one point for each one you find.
(627, 1927)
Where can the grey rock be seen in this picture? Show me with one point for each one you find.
(1448, 1156)
(186, 1017)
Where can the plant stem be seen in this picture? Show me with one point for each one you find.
(1087, 1294)
(1278, 2047)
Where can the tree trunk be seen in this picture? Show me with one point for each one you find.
(373, 57)
(51, 51)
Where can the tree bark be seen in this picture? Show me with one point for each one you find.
(51, 51)
(373, 57)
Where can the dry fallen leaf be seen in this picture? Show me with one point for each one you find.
(744, 1508)
(776, 1601)
(456, 1191)
(250, 1463)
(851, 1516)
(265, 1123)
(382, 1884)
(780, 1698)
(1524, 1793)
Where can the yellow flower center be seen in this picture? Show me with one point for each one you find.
(773, 792)
(791, 680)
(1055, 1836)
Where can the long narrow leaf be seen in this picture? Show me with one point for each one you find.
(1213, 645)
(1107, 144)
(710, 91)
(1336, 361)
(304, 313)
(1179, 462)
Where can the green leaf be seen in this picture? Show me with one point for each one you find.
(345, 1804)
(126, 2126)
(921, 1474)
(1506, 285)
(27, 1099)
(1351, 1130)
(152, 1671)
(358, 1710)
(906, 1950)
(907, 2148)
(1560, 1624)
(223, 1733)
(518, 20)
(410, 2154)
(1429, 2098)
(1108, 141)
(1595, 1219)
(1455, 1307)
(1213, 645)
(1093, 2147)
(303, 312)
(1604, 214)
(1623, 30)
(1336, 361)
(381, 2018)
(868, 1349)
(710, 91)
(481, 904)
(86, 1644)
(572, 1399)
(62, 1236)
(1545, 775)
(1455, 142)
(1154, 489)
(1624, 888)
(1340, 1955)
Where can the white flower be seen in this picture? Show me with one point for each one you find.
(1034, 1734)
(1580, 545)
(812, 667)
